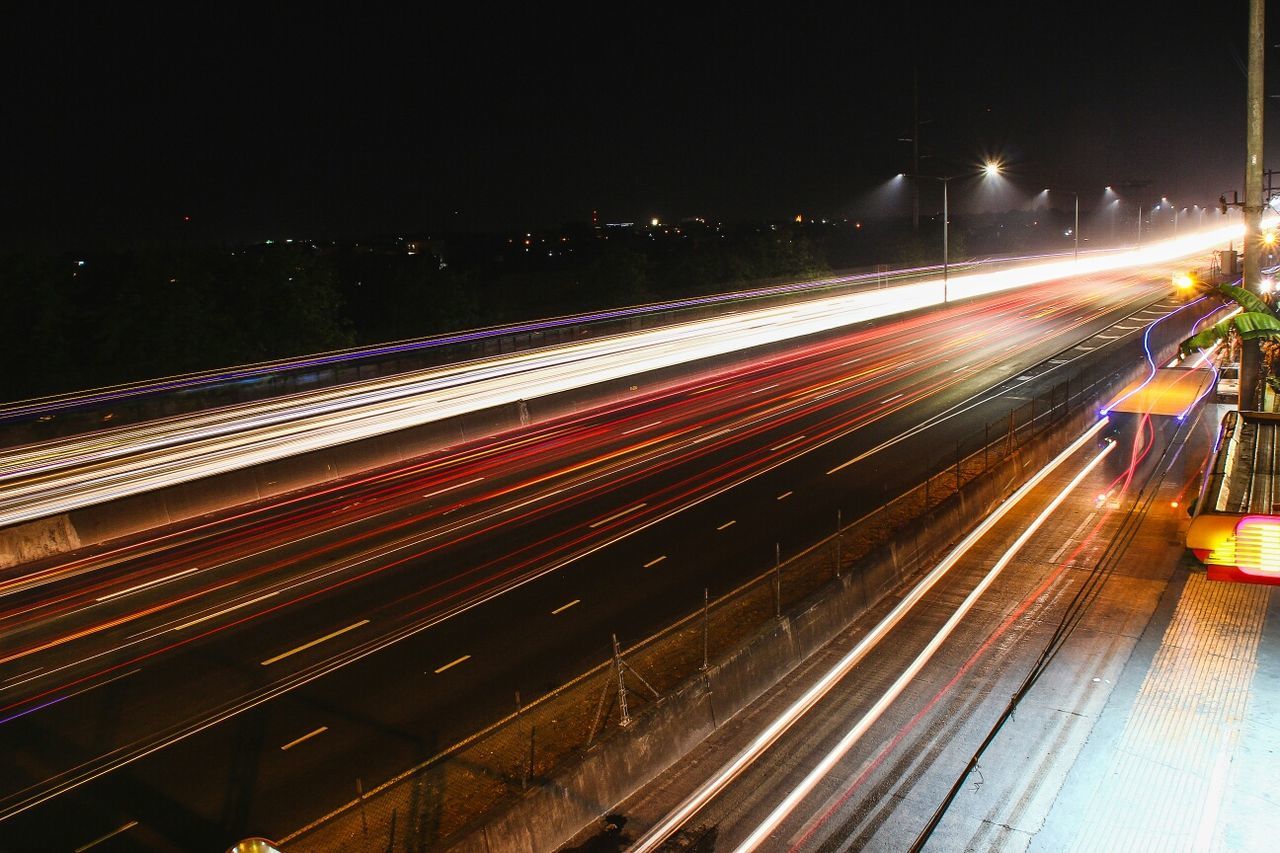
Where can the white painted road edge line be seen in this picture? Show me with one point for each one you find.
(799, 792)
(661, 831)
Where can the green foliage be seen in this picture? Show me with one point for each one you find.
(1256, 322)
(1248, 301)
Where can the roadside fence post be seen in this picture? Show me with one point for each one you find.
(839, 539)
(706, 620)
(622, 684)
(364, 822)
(777, 580)
(524, 777)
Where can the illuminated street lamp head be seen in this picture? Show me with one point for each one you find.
(1269, 238)
(991, 168)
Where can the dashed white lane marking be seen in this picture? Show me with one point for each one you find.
(451, 488)
(727, 524)
(147, 584)
(563, 607)
(315, 642)
(890, 399)
(451, 664)
(654, 562)
(308, 736)
(765, 388)
(637, 429)
(112, 834)
(617, 515)
(788, 442)
(784, 495)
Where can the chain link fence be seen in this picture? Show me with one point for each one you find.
(454, 790)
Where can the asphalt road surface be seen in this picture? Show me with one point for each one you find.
(371, 623)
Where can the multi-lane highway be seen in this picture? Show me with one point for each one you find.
(866, 739)
(371, 622)
(66, 474)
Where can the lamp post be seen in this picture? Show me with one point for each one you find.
(1075, 230)
(988, 169)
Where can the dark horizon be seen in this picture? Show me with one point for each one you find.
(238, 127)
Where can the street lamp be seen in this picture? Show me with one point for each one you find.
(1075, 231)
(989, 169)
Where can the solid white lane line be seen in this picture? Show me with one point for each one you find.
(315, 642)
(112, 834)
(823, 767)
(727, 524)
(784, 496)
(291, 744)
(451, 488)
(652, 563)
(147, 584)
(563, 607)
(788, 442)
(661, 831)
(224, 611)
(617, 515)
(637, 429)
(451, 664)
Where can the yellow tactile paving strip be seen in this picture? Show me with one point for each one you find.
(1164, 786)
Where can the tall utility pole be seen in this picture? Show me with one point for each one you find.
(1250, 356)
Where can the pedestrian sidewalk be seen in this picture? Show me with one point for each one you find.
(1184, 756)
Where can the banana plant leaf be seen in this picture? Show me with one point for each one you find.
(1250, 302)
(1251, 325)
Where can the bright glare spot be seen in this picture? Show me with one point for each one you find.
(992, 168)
(1183, 281)
(1174, 504)
(1269, 238)
(79, 263)
(1267, 284)
(654, 222)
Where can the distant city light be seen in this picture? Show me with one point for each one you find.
(79, 263)
(654, 222)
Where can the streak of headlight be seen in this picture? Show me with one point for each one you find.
(74, 473)
(656, 836)
(784, 809)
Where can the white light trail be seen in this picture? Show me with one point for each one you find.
(851, 737)
(58, 476)
(655, 837)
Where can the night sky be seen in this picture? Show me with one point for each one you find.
(292, 122)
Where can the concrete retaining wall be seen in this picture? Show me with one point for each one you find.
(619, 765)
(128, 516)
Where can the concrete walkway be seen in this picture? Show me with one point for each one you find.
(1184, 756)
